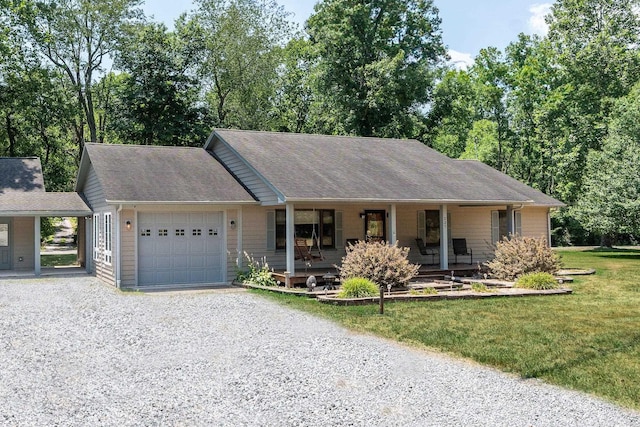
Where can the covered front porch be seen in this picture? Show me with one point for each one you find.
(436, 227)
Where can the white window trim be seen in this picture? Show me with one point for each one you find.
(96, 236)
(108, 227)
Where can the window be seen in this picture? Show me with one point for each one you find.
(432, 228)
(145, 232)
(196, 232)
(107, 238)
(96, 236)
(163, 232)
(499, 226)
(179, 231)
(319, 225)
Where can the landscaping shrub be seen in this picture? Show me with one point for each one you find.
(517, 255)
(379, 262)
(257, 273)
(358, 287)
(479, 287)
(538, 281)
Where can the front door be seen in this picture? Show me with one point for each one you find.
(5, 248)
(375, 226)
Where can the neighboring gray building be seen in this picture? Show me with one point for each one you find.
(23, 201)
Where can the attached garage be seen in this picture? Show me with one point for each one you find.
(176, 248)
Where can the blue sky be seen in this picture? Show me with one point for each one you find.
(467, 25)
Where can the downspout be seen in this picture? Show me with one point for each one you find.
(118, 257)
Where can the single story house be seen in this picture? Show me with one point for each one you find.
(183, 216)
(23, 201)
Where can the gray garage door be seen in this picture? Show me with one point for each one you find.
(180, 248)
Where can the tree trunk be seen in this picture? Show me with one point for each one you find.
(606, 241)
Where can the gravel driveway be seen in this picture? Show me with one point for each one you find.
(76, 352)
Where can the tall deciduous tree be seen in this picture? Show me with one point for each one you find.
(378, 61)
(610, 204)
(241, 43)
(154, 100)
(77, 36)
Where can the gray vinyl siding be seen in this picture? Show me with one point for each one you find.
(242, 172)
(93, 191)
(127, 248)
(23, 243)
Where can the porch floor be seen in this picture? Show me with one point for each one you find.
(426, 272)
(44, 272)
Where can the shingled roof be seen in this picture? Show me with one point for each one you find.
(20, 174)
(302, 167)
(134, 173)
(22, 191)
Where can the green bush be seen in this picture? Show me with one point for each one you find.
(479, 287)
(379, 262)
(538, 281)
(257, 273)
(515, 256)
(358, 287)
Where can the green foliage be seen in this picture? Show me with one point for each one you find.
(515, 256)
(538, 281)
(377, 63)
(154, 99)
(427, 290)
(48, 227)
(482, 143)
(610, 204)
(479, 287)
(257, 273)
(379, 262)
(240, 43)
(358, 287)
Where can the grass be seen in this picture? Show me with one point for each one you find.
(58, 260)
(588, 341)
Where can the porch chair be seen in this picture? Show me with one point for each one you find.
(426, 251)
(303, 251)
(460, 248)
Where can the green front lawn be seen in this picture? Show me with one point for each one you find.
(58, 260)
(589, 340)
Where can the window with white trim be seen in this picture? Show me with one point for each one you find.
(107, 238)
(96, 236)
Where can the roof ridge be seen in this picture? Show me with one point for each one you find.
(270, 132)
(102, 144)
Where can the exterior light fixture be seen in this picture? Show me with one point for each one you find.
(128, 225)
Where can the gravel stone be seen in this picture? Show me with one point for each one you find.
(76, 352)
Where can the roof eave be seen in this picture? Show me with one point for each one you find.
(180, 202)
(409, 201)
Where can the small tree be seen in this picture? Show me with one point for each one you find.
(379, 262)
(515, 256)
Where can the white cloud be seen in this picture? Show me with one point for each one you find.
(536, 21)
(460, 61)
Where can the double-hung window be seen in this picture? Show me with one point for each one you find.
(107, 238)
(96, 236)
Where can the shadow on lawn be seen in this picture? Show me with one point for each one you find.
(616, 253)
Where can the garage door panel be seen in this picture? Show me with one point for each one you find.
(179, 248)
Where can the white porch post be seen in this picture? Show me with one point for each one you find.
(36, 245)
(393, 225)
(510, 220)
(88, 246)
(444, 239)
(290, 235)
